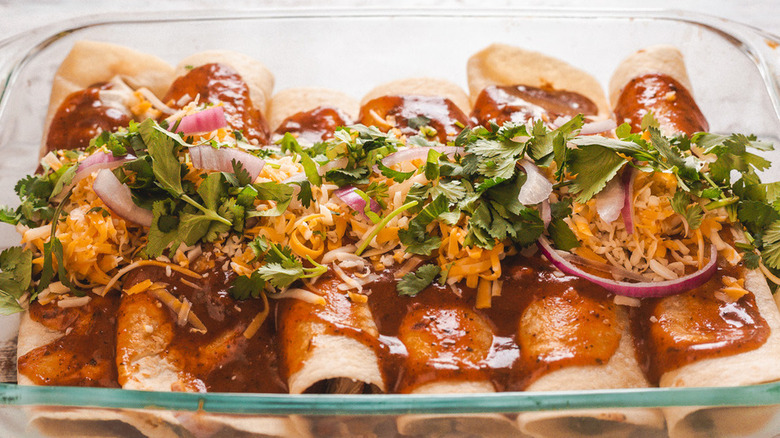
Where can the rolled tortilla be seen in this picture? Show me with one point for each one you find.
(438, 340)
(421, 87)
(500, 64)
(148, 357)
(257, 76)
(546, 335)
(91, 62)
(329, 347)
(746, 368)
(295, 100)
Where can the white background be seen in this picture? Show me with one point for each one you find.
(20, 15)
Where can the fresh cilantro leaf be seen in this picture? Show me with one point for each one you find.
(164, 230)
(165, 163)
(756, 215)
(242, 175)
(418, 122)
(649, 121)
(394, 174)
(289, 142)
(415, 282)
(271, 191)
(414, 237)
(246, 286)
(305, 194)
(212, 189)
(594, 167)
(691, 211)
(15, 278)
(771, 246)
(563, 237)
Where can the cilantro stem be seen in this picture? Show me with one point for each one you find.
(722, 203)
(382, 224)
(563, 184)
(316, 271)
(207, 211)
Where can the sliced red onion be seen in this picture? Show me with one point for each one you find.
(537, 188)
(598, 127)
(629, 175)
(98, 161)
(636, 290)
(208, 158)
(117, 197)
(546, 213)
(611, 200)
(207, 120)
(356, 202)
(418, 152)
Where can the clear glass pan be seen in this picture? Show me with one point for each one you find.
(733, 69)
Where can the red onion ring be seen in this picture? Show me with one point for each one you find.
(356, 202)
(221, 160)
(207, 120)
(629, 175)
(418, 152)
(635, 290)
(117, 197)
(611, 201)
(537, 188)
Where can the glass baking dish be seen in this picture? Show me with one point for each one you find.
(733, 69)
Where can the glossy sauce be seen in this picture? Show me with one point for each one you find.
(222, 358)
(410, 113)
(315, 125)
(521, 104)
(81, 117)
(671, 104)
(219, 83)
(84, 355)
(675, 331)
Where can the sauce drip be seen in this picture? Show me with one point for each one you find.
(410, 113)
(81, 117)
(675, 331)
(522, 104)
(217, 83)
(671, 104)
(84, 355)
(315, 125)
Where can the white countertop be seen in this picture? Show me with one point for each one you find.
(22, 15)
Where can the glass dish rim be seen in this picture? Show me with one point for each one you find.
(23, 47)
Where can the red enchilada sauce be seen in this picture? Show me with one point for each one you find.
(521, 104)
(218, 83)
(222, 359)
(675, 331)
(314, 125)
(411, 112)
(81, 117)
(671, 104)
(84, 355)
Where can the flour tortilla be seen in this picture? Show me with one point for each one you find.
(257, 77)
(667, 60)
(422, 87)
(483, 425)
(621, 371)
(500, 64)
(317, 356)
(750, 368)
(92, 62)
(295, 100)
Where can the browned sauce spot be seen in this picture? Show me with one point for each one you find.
(217, 83)
(222, 358)
(671, 104)
(409, 113)
(681, 329)
(84, 355)
(81, 117)
(522, 104)
(314, 125)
